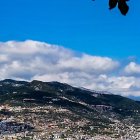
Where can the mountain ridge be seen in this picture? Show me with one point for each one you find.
(58, 89)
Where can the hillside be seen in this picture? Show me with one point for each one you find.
(100, 113)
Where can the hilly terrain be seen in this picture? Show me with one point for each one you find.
(53, 107)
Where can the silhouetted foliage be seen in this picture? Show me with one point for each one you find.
(122, 5)
(112, 4)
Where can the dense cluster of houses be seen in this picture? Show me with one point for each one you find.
(34, 124)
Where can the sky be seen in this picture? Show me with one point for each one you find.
(79, 42)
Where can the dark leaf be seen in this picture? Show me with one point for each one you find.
(112, 4)
(123, 7)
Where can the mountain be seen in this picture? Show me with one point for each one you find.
(45, 92)
(98, 108)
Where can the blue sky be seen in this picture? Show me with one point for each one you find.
(82, 25)
(94, 47)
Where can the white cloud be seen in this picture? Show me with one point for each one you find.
(132, 68)
(87, 63)
(3, 58)
(39, 58)
(42, 61)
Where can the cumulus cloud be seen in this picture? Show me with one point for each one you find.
(31, 60)
(34, 58)
(132, 68)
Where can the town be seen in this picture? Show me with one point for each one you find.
(57, 123)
